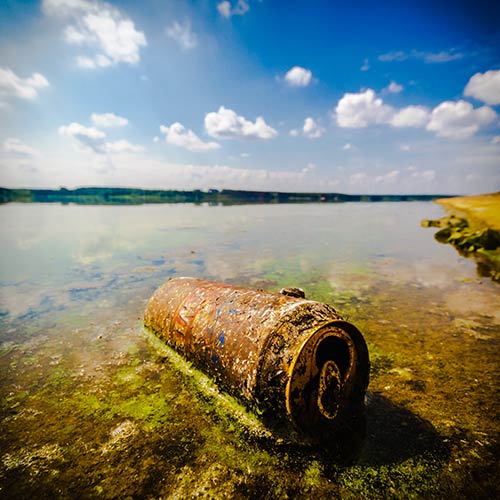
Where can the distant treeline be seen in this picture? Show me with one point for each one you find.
(131, 196)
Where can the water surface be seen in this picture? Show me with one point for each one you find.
(93, 407)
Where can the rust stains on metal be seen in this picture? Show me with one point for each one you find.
(293, 357)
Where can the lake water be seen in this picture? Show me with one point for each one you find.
(92, 406)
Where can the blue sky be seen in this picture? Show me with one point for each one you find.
(355, 97)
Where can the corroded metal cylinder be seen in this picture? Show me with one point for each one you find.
(296, 358)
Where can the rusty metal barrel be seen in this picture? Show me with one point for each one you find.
(295, 358)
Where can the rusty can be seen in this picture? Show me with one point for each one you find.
(294, 358)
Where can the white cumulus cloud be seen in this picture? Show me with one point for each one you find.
(101, 27)
(485, 87)
(107, 120)
(226, 124)
(311, 129)
(178, 135)
(121, 146)
(183, 34)
(410, 116)
(458, 120)
(25, 88)
(77, 130)
(358, 110)
(298, 77)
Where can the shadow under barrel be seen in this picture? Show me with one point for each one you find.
(294, 359)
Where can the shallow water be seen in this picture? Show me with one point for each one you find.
(92, 406)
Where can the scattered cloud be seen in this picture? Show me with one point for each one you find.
(495, 140)
(310, 167)
(388, 178)
(458, 120)
(485, 87)
(410, 116)
(183, 35)
(121, 146)
(25, 88)
(361, 109)
(405, 147)
(245, 155)
(426, 175)
(98, 61)
(91, 138)
(358, 178)
(398, 55)
(298, 77)
(455, 120)
(226, 124)
(394, 88)
(437, 57)
(366, 66)
(156, 139)
(88, 137)
(108, 120)
(294, 132)
(226, 10)
(77, 130)
(428, 57)
(178, 135)
(101, 27)
(311, 129)
(16, 147)
(347, 147)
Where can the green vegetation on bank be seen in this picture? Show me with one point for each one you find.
(134, 196)
(473, 228)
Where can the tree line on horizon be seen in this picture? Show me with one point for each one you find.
(137, 196)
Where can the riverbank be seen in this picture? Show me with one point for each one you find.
(473, 228)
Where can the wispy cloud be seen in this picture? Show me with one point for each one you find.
(16, 147)
(226, 10)
(101, 27)
(24, 88)
(183, 34)
(428, 57)
(108, 120)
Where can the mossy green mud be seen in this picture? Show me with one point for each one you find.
(107, 411)
(473, 228)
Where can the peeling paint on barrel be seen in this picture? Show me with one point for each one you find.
(295, 358)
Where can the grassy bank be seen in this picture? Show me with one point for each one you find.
(473, 228)
(481, 210)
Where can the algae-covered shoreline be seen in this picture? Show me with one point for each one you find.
(473, 228)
